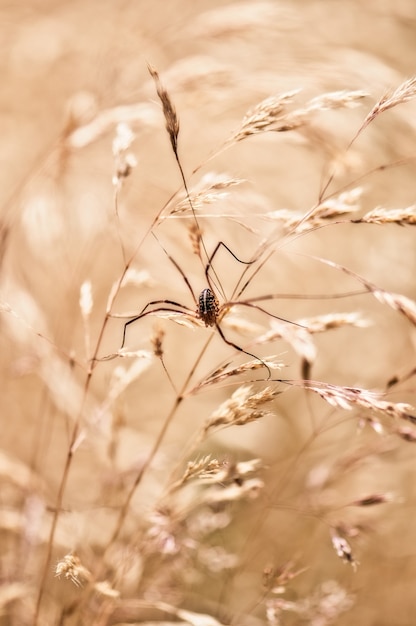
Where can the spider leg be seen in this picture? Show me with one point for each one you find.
(178, 267)
(310, 296)
(211, 258)
(234, 345)
(144, 312)
(259, 308)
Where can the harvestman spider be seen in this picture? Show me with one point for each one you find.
(208, 308)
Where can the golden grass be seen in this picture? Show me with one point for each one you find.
(259, 470)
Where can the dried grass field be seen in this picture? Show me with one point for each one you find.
(239, 177)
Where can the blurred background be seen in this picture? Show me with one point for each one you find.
(71, 71)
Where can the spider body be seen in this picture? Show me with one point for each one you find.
(208, 307)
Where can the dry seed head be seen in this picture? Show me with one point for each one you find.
(194, 619)
(406, 433)
(122, 376)
(404, 93)
(402, 217)
(183, 319)
(320, 608)
(348, 397)
(216, 559)
(171, 118)
(271, 115)
(205, 467)
(275, 579)
(322, 323)
(195, 236)
(223, 374)
(241, 408)
(71, 567)
(373, 499)
(343, 549)
(124, 167)
(233, 472)
(123, 139)
(249, 489)
(299, 338)
(137, 278)
(337, 99)
(345, 203)
(85, 299)
(157, 341)
(398, 302)
(264, 116)
(142, 114)
(373, 422)
(212, 188)
(105, 589)
(124, 161)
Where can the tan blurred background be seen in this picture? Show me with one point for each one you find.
(72, 66)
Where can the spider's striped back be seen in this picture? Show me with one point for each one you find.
(208, 307)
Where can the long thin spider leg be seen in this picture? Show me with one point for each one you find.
(312, 296)
(236, 347)
(259, 308)
(178, 267)
(252, 274)
(144, 312)
(211, 258)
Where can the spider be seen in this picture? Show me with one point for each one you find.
(208, 309)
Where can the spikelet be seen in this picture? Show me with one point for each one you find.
(349, 397)
(241, 408)
(402, 217)
(403, 93)
(343, 548)
(171, 118)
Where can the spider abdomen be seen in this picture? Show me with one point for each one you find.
(208, 308)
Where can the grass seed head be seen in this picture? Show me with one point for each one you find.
(171, 118)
